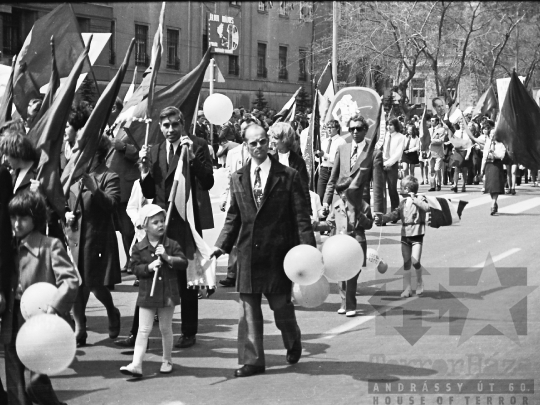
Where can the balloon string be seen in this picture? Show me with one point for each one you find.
(380, 236)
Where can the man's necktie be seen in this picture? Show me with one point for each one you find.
(386, 148)
(171, 155)
(257, 188)
(354, 155)
(328, 147)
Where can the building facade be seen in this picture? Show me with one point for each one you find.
(271, 42)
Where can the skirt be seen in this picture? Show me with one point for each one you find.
(410, 158)
(494, 177)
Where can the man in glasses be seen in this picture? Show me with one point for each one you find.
(157, 175)
(348, 158)
(268, 215)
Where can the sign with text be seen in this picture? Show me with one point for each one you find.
(223, 34)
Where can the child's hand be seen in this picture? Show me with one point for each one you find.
(160, 251)
(156, 264)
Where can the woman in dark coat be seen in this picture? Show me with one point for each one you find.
(492, 166)
(97, 258)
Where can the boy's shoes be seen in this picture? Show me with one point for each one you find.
(341, 311)
(420, 288)
(131, 371)
(350, 313)
(166, 367)
(407, 293)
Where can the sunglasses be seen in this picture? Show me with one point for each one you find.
(260, 142)
(354, 129)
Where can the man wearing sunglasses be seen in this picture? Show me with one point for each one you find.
(157, 176)
(268, 216)
(348, 159)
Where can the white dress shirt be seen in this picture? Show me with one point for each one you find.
(393, 148)
(265, 171)
(284, 158)
(175, 147)
(360, 148)
(328, 158)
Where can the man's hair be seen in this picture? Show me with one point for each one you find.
(359, 118)
(18, 146)
(118, 104)
(435, 99)
(171, 112)
(31, 204)
(334, 124)
(411, 183)
(253, 125)
(343, 184)
(437, 120)
(284, 132)
(35, 101)
(13, 127)
(79, 114)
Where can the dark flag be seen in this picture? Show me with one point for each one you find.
(7, 99)
(34, 61)
(519, 125)
(486, 103)
(157, 50)
(287, 108)
(88, 141)
(48, 134)
(444, 212)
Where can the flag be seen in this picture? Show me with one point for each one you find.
(34, 61)
(363, 177)
(131, 88)
(326, 87)
(391, 114)
(54, 84)
(88, 140)
(7, 98)
(201, 270)
(182, 94)
(425, 137)
(311, 144)
(47, 136)
(519, 125)
(286, 110)
(486, 103)
(444, 211)
(157, 51)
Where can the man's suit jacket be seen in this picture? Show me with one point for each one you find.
(158, 184)
(264, 236)
(342, 168)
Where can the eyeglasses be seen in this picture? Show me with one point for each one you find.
(260, 142)
(354, 129)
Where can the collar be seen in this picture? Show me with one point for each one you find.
(265, 166)
(143, 244)
(336, 136)
(360, 145)
(32, 242)
(174, 144)
(284, 154)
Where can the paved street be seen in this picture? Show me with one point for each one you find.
(354, 360)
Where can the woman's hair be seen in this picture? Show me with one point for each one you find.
(415, 132)
(343, 184)
(411, 183)
(31, 204)
(79, 114)
(396, 124)
(18, 146)
(284, 132)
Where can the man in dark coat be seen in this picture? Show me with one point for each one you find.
(157, 177)
(267, 217)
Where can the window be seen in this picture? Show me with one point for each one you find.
(283, 63)
(10, 35)
(302, 66)
(234, 69)
(306, 11)
(173, 62)
(264, 6)
(418, 91)
(261, 60)
(284, 8)
(234, 3)
(84, 24)
(141, 33)
(112, 44)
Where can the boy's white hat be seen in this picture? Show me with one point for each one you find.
(149, 210)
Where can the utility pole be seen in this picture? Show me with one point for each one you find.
(211, 92)
(335, 6)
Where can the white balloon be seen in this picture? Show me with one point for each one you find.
(372, 259)
(46, 344)
(218, 108)
(343, 257)
(36, 299)
(311, 296)
(303, 264)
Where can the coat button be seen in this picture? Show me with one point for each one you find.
(76, 244)
(159, 278)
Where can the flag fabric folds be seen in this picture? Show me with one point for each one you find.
(286, 110)
(88, 140)
(312, 143)
(157, 51)
(425, 137)
(519, 125)
(48, 133)
(444, 212)
(34, 61)
(131, 88)
(327, 90)
(201, 270)
(487, 102)
(6, 103)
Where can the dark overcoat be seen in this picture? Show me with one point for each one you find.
(264, 236)
(97, 245)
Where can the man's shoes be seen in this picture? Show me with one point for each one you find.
(248, 370)
(294, 354)
(185, 342)
(114, 324)
(439, 187)
(228, 282)
(127, 342)
(131, 371)
(432, 189)
(166, 367)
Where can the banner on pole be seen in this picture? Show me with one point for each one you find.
(223, 34)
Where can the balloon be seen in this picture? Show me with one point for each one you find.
(303, 264)
(311, 296)
(342, 256)
(36, 299)
(218, 109)
(46, 344)
(382, 267)
(372, 259)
